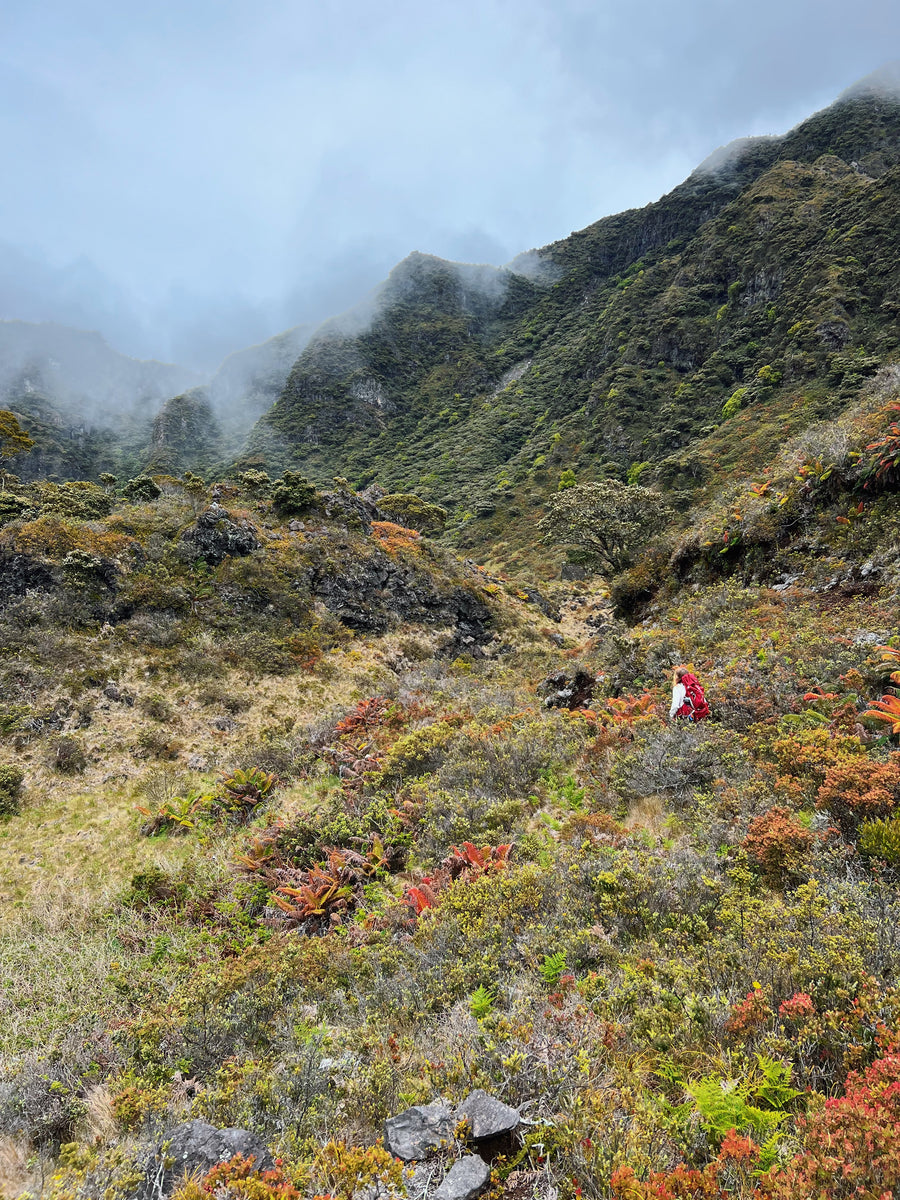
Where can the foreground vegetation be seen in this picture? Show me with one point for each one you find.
(292, 840)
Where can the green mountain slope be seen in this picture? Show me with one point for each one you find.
(771, 269)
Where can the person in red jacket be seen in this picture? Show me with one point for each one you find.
(688, 699)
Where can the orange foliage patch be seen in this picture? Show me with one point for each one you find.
(859, 789)
(777, 842)
(391, 537)
(55, 537)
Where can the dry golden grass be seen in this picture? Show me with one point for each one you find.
(19, 1174)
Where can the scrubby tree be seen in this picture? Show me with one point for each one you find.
(607, 522)
(141, 490)
(13, 441)
(406, 508)
(293, 495)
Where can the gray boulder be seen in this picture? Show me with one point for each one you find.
(416, 1132)
(464, 1180)
(487, 1116)
(198, 1146)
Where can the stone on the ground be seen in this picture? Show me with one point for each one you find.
(487, 1116)
(419, 1130)
(464, 1180)
(199, 1146)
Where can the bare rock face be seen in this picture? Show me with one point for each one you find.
(464, 1180)
(198, 1146)
(416, 1132)
(487, 1116)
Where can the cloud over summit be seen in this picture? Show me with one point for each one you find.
(226, 170)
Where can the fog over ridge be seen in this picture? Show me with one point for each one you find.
(192, 179)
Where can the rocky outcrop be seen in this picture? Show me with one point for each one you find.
(216, 536)
(564, 689)
(20, 574)
(198, 1146)
(374, 594)
(486, 1116)
(427, 1129)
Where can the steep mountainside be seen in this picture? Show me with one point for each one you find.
(336, 864)
(770, 272)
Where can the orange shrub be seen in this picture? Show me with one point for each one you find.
(777, 843)
(851, 1147)
(54, 537)
(860, 789)
(391, 537)
(750, 1016)
(805, 757)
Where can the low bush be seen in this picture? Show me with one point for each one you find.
(860, 789)
(778, 844)
(11, 780)
(881, 839)
(293, 495)
(66, 753)
(851, 1144)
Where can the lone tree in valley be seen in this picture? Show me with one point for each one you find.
(607, 522)
(13, 440)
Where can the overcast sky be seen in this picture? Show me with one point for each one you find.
(190, 176)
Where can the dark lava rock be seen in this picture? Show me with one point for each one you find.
(347, 506)
(562, 690)
(215, 536)
(198, 1146)
(20, 574)
(464, 1180)
(487, 1116)
(375, 594)
(533, 596)
(419, 1130)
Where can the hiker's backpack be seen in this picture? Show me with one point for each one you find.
(695, 707)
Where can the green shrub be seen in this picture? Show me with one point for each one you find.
(733, 404)
(293, 495)
(77, 499)
(417, 752)
(881, 839)
(141, 490)
(11, 779)
(411, 511)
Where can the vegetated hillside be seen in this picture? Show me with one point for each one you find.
(78, 398)
(295, 835)
(294, 842)
(768, 277)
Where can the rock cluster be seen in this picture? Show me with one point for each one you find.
(215, 536)
(420, 1131)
